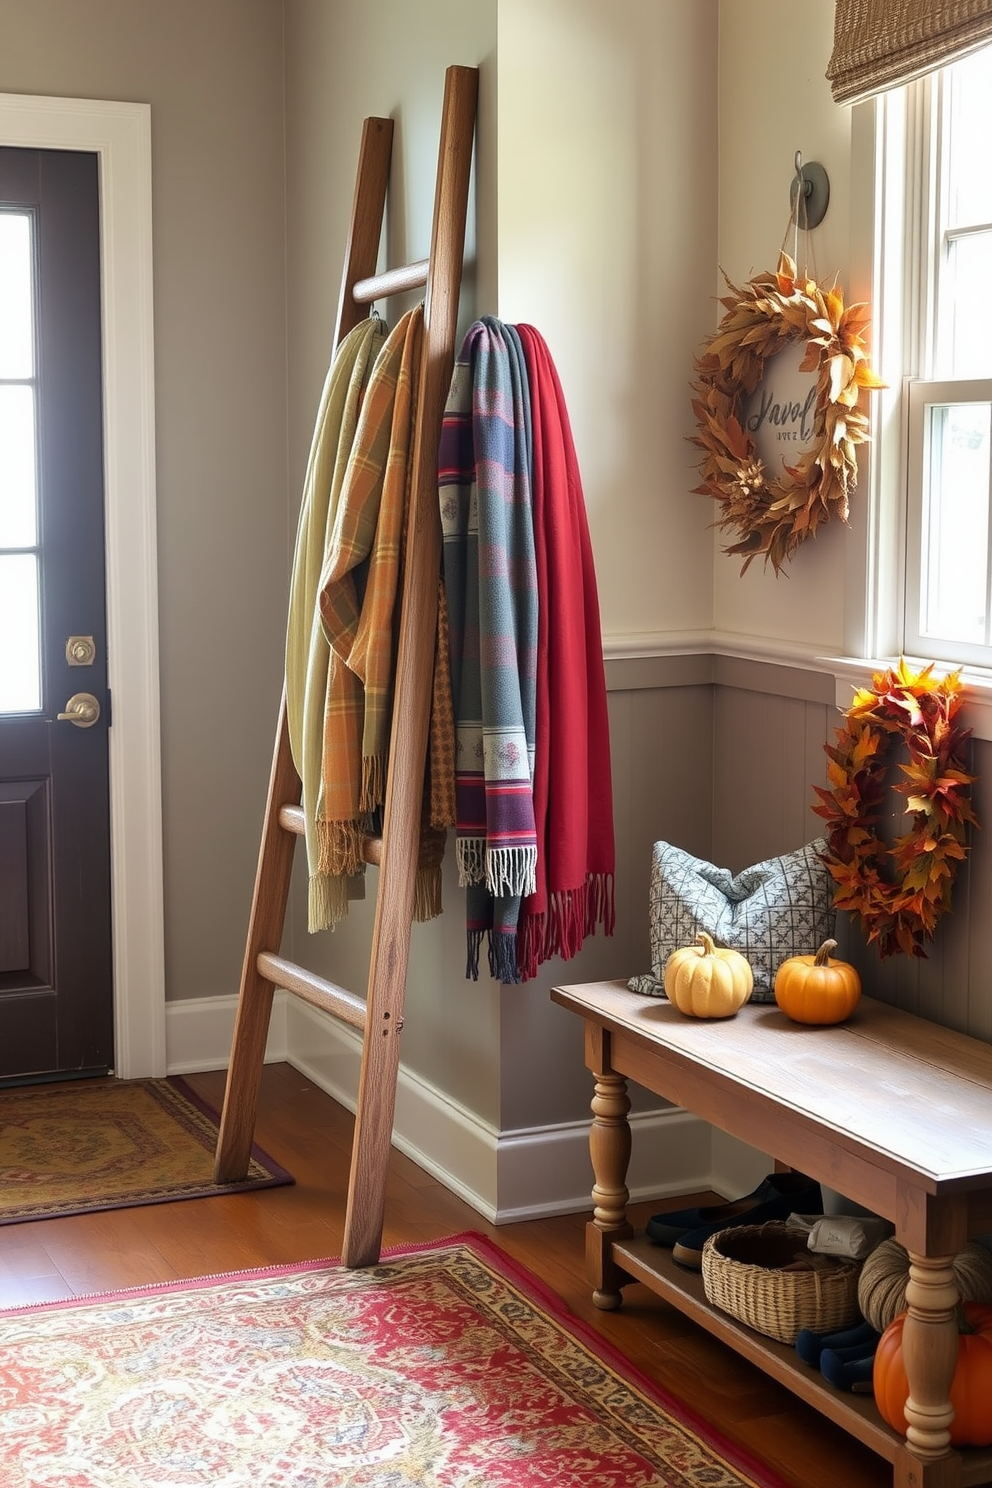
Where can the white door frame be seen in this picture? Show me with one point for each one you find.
(120, 135)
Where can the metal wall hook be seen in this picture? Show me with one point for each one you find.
(809, 194)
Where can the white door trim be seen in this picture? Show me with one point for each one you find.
(120, 135)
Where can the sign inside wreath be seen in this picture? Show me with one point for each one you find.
(780, 414)
(776, 497)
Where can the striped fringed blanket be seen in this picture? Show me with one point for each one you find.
(307, 649)
(490, 582)
(573, 798)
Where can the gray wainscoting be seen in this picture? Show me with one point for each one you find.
(769, 724)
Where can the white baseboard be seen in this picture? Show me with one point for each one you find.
(199, 1030)
(547, 1170)
(509, 1175)
(505, 1175)
(450, 1142)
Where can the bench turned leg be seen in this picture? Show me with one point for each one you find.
(930, 1353)
(609, 1150)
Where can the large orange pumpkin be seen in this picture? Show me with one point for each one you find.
(971, 1388)
(815, 989)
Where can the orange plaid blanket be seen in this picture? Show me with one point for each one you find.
(307, 650)
(355, 597)
(358, 599)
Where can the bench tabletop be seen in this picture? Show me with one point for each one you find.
(917, 1095)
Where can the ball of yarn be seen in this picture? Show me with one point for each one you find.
(885, 1276)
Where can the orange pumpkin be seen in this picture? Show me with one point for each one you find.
(815, 989)
(971, 1388)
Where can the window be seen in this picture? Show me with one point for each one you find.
(948, 399)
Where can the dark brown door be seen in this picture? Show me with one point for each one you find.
(56, 990)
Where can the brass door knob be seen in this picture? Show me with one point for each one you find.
(82, 709)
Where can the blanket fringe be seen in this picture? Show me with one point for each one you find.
(327, 902)
(503, 957)
(472, 948)
(531, 939)
(511, 871)
(340, 848)
(600, 907)
(571, 916)
(373, 782)
(470, 855)
(427, 894)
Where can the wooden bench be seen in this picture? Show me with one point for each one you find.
(888, 1109)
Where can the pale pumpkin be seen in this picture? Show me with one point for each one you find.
(816, 989)
(707, 981)
(885, 1276)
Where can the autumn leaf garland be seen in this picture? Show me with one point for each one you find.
(773, 516)
(898, 892)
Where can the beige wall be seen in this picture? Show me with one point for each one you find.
(386, 57)
(606, 230)
(595, 191)
(623, 152)
(344, 62)
(775, 100)
(212, 72)
(607, 237)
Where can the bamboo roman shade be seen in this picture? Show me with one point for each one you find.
(879, 44)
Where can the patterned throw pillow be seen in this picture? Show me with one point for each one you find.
(779, 908)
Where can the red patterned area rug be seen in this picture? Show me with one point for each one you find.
(447, 1366)
(110, 1144)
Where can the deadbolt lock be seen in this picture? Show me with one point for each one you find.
(80, 651)
(82, 709)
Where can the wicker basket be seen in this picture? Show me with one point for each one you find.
(748, 1272)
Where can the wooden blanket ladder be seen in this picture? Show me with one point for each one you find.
(379, 1015)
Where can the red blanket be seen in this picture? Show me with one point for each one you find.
(573, 793)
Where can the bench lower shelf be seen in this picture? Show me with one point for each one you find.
(856, 1414)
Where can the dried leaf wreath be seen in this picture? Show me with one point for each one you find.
(774, 515)
(898, 913)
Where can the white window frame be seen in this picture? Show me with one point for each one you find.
(922, 395)
(895, 237)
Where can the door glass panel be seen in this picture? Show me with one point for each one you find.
(20, 668)
(20, 615)
(18, 501)
(16, 334)
(955, 557)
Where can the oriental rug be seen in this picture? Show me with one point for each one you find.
(71, 1149)
(447, 1366)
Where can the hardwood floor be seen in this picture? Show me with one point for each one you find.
(309, 1133)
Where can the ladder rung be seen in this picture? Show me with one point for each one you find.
(392, 281)
(372, 850)
(312, 988)
(291, 820)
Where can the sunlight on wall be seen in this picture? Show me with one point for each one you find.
(604, 245)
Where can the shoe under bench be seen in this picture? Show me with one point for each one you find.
(887, 1108)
